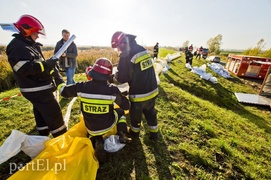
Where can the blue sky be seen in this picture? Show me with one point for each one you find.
(242, 23)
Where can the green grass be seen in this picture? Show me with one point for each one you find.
(205, 133)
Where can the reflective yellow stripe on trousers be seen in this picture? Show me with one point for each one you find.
(143, 97)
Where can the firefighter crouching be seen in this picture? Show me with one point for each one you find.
(97, 105)
(135, 67)
(35, 76)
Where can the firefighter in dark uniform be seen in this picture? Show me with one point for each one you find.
(135, 67)
(97, 105)
(36, 78)
(188, 56)
(156, 50)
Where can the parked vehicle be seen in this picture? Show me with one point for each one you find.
(214, 59)
(204, 53)
(248, 66)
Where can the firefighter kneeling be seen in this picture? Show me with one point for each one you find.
(97, 105)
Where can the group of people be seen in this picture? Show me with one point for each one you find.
(38, 78)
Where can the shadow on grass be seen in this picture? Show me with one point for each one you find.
(135, 161)
(204, 167)
(130, 162)
(161, 155)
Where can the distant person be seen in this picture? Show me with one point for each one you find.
(97, 105)
(36, 78)
(199, 52)
(200, 49)
(191, 48)
(155, 50)
(135, 67)
(188, 56)
(68, 61)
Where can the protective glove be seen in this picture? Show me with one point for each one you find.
(111, 78)
(51, 63)
(123, 137)
(57, 77)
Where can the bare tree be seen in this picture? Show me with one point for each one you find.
(257, 51)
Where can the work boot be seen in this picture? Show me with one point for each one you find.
(100, 153)
(133, 134)
(153, 136)
(123, 137)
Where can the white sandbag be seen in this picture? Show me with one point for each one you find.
(170, 57)
(163, 62)
(187, 65)
(112, 144)
(203, 67)
(17, 141)
(167, 66)
(219, 69)
(9, 148)
(157, 79)
(33, 145)
(198, 70)
(165, 70)
(206, 76)
(158, 68)
(213, 79)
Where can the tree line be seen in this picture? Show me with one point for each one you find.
(214, 46)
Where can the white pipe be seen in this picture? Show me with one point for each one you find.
(68, 112)
(64, 47)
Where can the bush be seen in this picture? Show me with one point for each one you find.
(7, 80)
(2, 50)
(86, 57)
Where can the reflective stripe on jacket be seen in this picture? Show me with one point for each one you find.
(26, 60)
(136, 68)
(36, 89)
(97, 103)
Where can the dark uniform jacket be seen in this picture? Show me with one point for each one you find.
(136, 67)
(156, 49)
(97, 104)
(30, 70)
(71, 53)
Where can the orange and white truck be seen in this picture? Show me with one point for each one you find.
(248, 66)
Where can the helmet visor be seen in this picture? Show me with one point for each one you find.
(42, 33)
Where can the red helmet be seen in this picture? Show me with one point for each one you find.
(87, 71)
(117, 38)
(101, 69)
(28, 24)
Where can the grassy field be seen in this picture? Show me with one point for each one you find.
(205, 133)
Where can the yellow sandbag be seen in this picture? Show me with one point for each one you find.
(69, 156)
